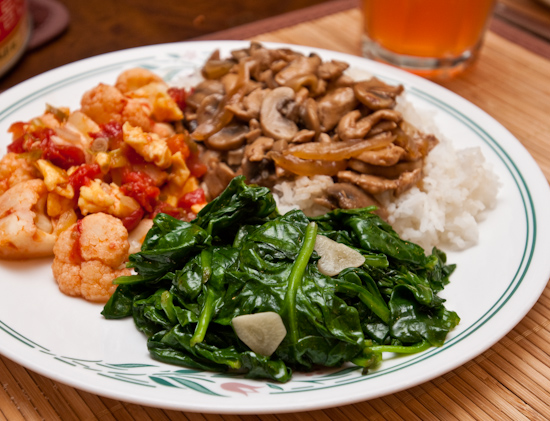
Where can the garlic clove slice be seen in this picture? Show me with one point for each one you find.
(261, 332)
(335, 256)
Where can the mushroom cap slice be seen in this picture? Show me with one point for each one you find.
(335, 257)
(274, 124)
(261, 332)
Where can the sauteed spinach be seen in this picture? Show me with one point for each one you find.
(239, 256)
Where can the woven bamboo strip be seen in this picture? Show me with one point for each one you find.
(140, 413)
(329, 414)
(385, 411)
(415, 406)
(482, 396)
(509, 403)
(78, 405)
(400, 409)
(16, 390)
(518, 383)
(437, 389)
(35, 396)
(434, 406)
(8, 408)
(50, 389)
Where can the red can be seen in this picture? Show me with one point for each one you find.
(15, 31)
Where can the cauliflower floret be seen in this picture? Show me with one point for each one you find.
(14, 170)
(135, 78)
(25, 230)
(149, 145)
(102, 197)
(105, 103)
(89, 256)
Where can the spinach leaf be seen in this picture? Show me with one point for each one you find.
(239, 256)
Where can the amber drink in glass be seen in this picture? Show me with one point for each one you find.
(433, 38)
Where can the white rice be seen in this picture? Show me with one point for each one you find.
(301, 193)
(457, 190)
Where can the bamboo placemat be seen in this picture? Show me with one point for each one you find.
(511, 380)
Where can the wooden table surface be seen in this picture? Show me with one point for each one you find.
(511, 82)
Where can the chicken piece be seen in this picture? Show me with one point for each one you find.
(25, 230)
(99, 196)
(373, 184)
(164, 108)
(89, 256)
(179, 174)
(105, 103)
(135, 78)
(14, 170)
(149, 145)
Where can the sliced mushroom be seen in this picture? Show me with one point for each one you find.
(348, 196)
(388, 171)
(261, 332)
(334, 105)
(301, 66)
(335, 257)
(352, 126)
(202, 90)
(388, 156)
(250, 106)
(217, 179)
(232, 136)
(376, 94)
(375, 185)
(303, 136)
(274, 123)
(256, 151)
(331, 70)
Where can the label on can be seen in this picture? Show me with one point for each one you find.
(14, 31)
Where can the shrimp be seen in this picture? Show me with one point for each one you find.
(25, 229)
(90, 255)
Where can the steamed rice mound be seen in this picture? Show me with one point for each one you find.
(457, 190)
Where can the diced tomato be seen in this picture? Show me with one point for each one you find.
(179, 213)
(17, 129)
(141, 187)
(111, 131)
(133, 157)
(18, 145)
(61, 155)
(132, 220)
(177, 143)
(179, 95)
(195, 165)
(83, 175)
(192, 198)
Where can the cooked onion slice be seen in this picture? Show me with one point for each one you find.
(338, 151)
(307, 167)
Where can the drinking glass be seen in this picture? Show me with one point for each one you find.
(432, 38)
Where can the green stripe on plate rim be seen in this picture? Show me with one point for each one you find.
(519, 276)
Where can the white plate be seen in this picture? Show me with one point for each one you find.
(495, 285)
